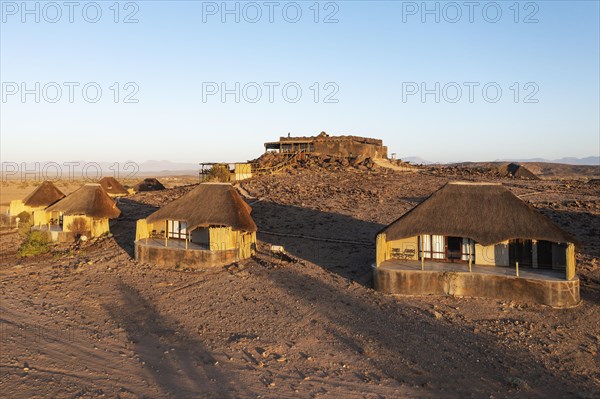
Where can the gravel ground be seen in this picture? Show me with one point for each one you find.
(90, 322)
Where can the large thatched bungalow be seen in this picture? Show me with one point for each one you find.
(113, 187)
(209, 226)
(477, 239)
(43, 196)
(86, 211)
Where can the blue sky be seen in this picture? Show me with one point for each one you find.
(367, 62)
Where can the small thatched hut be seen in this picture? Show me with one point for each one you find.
(480, 223)
(477, 239)
(85, 211)
(516, 170)
(148, 184)
(210, 225)
(43, 196)
(113, 187)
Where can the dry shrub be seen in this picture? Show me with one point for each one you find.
(24, 217)
(36, 243)
(79, 227)
(219, 173)
(25, 223)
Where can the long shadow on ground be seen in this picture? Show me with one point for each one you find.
(123, 228)
(350, 260)
(408, 344)
(179, 363)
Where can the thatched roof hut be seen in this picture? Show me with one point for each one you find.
(209, 205)
(44, 195)
(112, 186)
(516, 170)
(89, 200)
(485, 212)
(149, 184)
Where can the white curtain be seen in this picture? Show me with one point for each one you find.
(426, 246)
(466, 242)
(439, 247)
(177, 229)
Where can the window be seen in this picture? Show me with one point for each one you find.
(466, 251)
(177, 229)
(446, 248)
(433, 247)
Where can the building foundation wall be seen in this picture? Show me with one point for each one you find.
(555, 293)
(177, 257)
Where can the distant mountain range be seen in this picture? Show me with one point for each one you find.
(417, 160)
(593, 160)
(130, 169)
(160, 166)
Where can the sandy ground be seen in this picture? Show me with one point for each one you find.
(90, 322)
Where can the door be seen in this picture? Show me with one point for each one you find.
(454, 248)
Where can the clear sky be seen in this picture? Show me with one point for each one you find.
(369, 62)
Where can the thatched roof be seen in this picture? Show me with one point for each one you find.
(516, 170)
(44, 195)
(89, 200)
(112, 186)
(149, 184)
(486, 213)
(209, 204)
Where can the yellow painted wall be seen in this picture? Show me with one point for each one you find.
(484, 255)
(247, 245)
(492, 255)
(570, 261)
(410, 243)
(99, 226)
(96, 226)
(242, 171)
(222, 238)
(142, 229)
(16, 207)
(381, 249)
(41, 217)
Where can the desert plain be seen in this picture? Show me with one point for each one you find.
(88, 321)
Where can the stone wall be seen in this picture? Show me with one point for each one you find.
(177, 257)
(555, 293)
(349, 148)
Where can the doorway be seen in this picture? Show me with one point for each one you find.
(520, 251)
(454, 248)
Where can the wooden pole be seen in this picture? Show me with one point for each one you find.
(422, 255)
(166, 232)
(570, 269)
(470, 257)
(517, 263)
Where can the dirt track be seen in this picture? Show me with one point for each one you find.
(94, 323)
